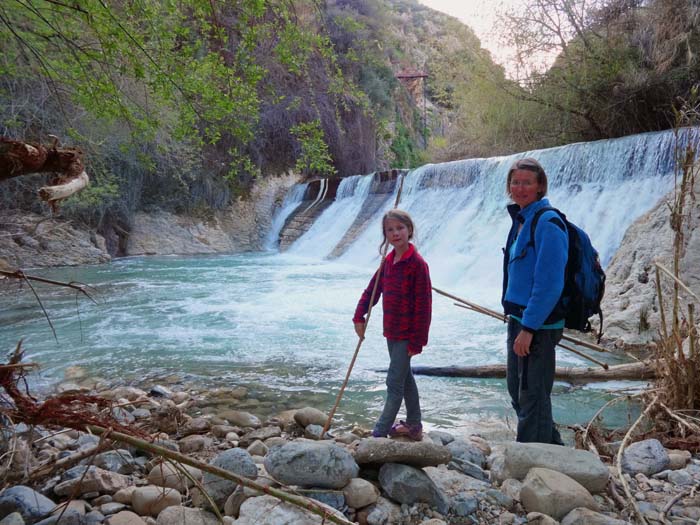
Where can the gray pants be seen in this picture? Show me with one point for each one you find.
(400, 386)
(530, 380)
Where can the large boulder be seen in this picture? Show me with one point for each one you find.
(29, 503)
(415, 453)
(235, 460)
(310, 464)
(406, 484)
(467, 451)
(360, 493)
(310, 416)
(646, 457)
(583, 466)
(553, 493)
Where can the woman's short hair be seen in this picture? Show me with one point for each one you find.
(529, 164)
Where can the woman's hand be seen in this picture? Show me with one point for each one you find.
(360, 330)
(521, 345)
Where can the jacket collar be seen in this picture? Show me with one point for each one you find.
(529, 211)
(408, 253)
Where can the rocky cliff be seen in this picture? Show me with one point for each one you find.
(631, 305)
(30, 240)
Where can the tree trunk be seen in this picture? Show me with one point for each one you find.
(628, 371)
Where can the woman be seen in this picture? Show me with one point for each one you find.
(533, 281)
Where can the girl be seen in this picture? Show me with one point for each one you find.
(405, 286)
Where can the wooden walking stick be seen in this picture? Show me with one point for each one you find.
(377, 276)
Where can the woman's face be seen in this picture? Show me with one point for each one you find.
(524, 188)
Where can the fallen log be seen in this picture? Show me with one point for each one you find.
(628, 371)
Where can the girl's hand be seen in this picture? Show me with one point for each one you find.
(360, 330)
(521, 345)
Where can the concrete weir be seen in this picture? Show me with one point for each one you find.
(320, 195)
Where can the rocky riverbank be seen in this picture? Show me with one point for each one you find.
(443, 479)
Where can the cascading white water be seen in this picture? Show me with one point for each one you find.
(459, 207)
(290, 203)
(323, 235)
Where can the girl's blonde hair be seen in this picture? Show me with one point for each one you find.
(401, 216)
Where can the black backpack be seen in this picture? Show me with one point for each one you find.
(584, 281)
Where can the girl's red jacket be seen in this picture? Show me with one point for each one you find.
(407, 299)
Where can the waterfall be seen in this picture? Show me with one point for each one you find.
(290, 203)
(459, 206)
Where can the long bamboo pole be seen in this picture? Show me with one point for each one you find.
(299, 501)
(501, 317)
(377, 276)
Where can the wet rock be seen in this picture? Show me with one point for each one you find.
(383, 512)
(538, 518)
(259, 434)
(95, 480)
(119, 461)
(257, 448)
(553, 493)
(266, 510)
(125, 517)
(194, 443)
(583, 516)
(198, 425)
(125, 495)
(69, 517)
(233, 503)
(160, 391)
(94, 518)
(111, 508)
(678, 459)
(315, 432)
(470, 469)
(583, 466)
(407, 484)
(150, 500)
(417, 454)
(310, 416)
(31, 505)
(648, 457)
(680, 477)
(220, 431)
(186, 516)
(14, 518)
(235, 460)
(440, 438)
(462, 450)
(360, 493)
(310, 464)
(240, 418)
(166, 475)
(451, 483)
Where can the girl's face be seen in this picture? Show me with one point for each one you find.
(397, 233)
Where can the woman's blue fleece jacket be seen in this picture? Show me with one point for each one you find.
(533, 277)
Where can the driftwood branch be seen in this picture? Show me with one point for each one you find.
(19, 158)
(628, 371)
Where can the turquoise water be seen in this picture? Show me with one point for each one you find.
(278, 324)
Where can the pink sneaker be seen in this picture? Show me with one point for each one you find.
(413, 432)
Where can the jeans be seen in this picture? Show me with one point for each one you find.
(400, 386)
(530, 380)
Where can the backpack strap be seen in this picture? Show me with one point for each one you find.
(536, 219)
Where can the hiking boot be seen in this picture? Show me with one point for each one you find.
(413, 432)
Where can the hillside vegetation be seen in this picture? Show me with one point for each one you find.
(181, 105)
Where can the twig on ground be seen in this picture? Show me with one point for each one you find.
(620, 474)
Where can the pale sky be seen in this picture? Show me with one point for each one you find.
(481, 16)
